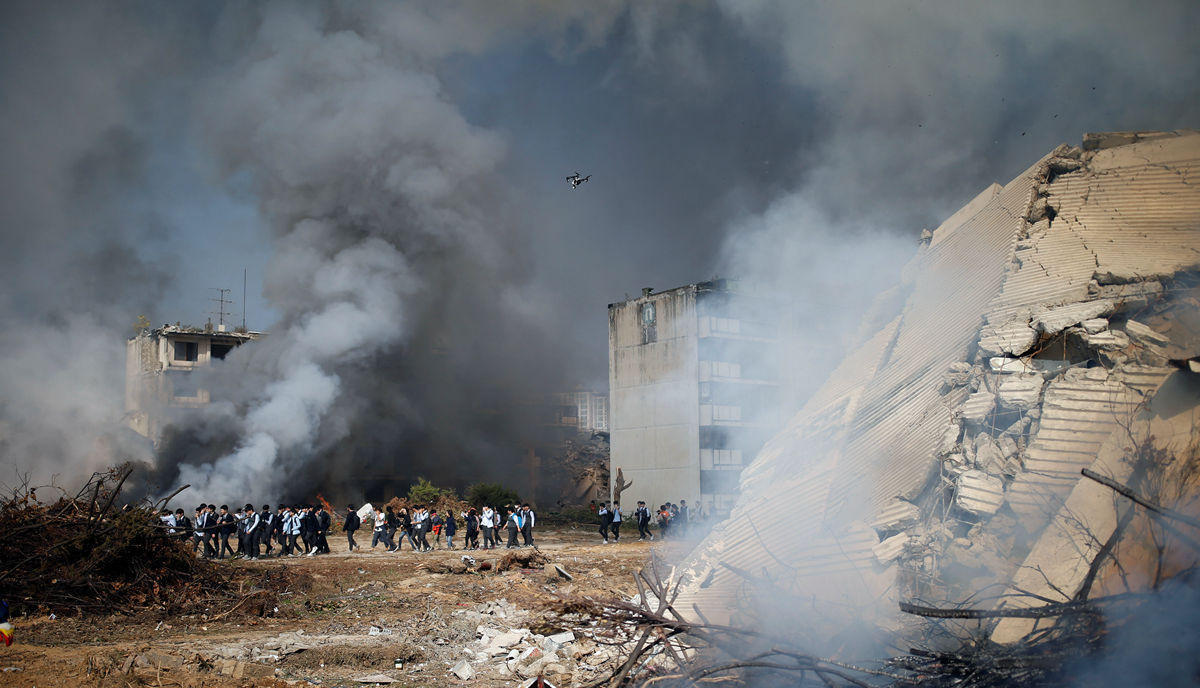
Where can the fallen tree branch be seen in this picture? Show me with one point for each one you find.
(1128, 493)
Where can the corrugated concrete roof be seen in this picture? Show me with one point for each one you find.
(1077, 418)
(887, 425)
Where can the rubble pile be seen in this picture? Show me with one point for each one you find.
(85, 553)
(579, 465)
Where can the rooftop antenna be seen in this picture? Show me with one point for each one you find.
(244, 302)
(221, 302)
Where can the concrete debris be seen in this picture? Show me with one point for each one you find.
(978, 406)
(463, 670)
(236, 669)
(899, 514)
(563, 638)
(887, 551)
(1051, 321)
(1020, 393)
(950, 437)
(1095, 325)
(1144, 335)
(1014, 338)
(378, 679)
(1000, 364)
(1107, 340)
(988, 456)
(978, 492)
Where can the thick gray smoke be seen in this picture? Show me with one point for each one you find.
(429, 265)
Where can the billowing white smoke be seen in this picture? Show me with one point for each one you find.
(359, 161)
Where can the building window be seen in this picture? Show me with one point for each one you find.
(722, 412)
(219, 351)
(649, 324)
(724, 369)
(581, 405)
(726, 325)
(187, 351)
(727, 457)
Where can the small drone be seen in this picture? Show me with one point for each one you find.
(576, 180)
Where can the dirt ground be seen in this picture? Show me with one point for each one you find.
(364, 614)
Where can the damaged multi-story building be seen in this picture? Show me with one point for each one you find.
(160, 367)
(1051, 325)
(694, 386)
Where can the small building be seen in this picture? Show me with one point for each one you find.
(695, 389)
(159, 371)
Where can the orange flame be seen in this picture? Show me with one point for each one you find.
(325, 503)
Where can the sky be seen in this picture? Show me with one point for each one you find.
(391, 178)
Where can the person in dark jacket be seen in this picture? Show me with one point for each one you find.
(395, 523)
(308, 530)
(351, 525)
(513, 524)
(472, 537)
(449, 527)
(226, 526)
(324, 522)
(606, 520)
(183, 525)
(527, 519)
(266, 529)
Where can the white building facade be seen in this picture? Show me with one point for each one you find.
(694, 390)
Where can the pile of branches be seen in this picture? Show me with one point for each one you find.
(84, 554)
(657, 646)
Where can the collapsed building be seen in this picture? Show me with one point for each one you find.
(1051, 325)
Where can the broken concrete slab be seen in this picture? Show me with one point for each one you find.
(887, 551)
(1144, 334)
(1020, 392)
(463, 670)
(978, 492)
(978, 406)
(563, 638)
(1004, 364)
(1014, 338)
(988, 456)
(1107, 340)
(1054, 320)
(896, 515)
(1094, 325)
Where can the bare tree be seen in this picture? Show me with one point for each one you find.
(619, 485)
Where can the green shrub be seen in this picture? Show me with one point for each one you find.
(425, 492)
(491, 494)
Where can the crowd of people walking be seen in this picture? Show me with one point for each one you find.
(417, 524)
(303, 530)
(295, 530)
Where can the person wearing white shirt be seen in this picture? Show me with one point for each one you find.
(487, 523)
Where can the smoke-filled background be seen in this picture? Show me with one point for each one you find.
(392, 176)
